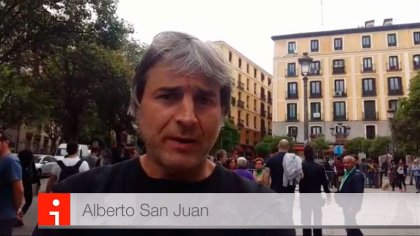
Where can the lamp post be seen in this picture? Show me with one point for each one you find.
(305, 63)
(342, 131)
(391, 114)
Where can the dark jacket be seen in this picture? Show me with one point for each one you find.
(313, 177)
(355, 183)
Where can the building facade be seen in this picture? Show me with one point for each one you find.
(251, 102)
(356, 76)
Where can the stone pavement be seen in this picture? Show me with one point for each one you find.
(31, 217)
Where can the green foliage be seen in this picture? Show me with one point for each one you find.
(406, 124)
(320, 144)
(228, 138)
(269, 145)
(355, 145)
(379, 146)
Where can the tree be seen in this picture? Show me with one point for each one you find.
(379, 146)
(354, 146)
(228, 138)
(320, 144)
(269, 145)
(406, 124)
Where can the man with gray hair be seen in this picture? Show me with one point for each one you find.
(180, 95)
(241, 169)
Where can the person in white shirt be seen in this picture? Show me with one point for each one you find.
(72, 160)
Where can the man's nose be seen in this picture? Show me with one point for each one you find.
(187, 112)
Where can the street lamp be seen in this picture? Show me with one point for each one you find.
(391, 114)
(340, 130)
(305, 63)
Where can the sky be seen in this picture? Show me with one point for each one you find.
(247, 25)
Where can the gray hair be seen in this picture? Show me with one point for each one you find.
(283, 144)
(186, 55)
(241, 163)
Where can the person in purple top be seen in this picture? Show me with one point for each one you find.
(241, 170)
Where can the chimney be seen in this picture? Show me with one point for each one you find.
(369, 23)
(387, 21)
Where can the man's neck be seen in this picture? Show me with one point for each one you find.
(156, 171)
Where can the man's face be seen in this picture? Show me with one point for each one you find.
(258, 165)
(179, 118)
(348, 163)
(3, 147)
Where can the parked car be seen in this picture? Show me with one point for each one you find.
(44, 164)
(61, 153)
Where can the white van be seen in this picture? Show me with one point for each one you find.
(83, 151)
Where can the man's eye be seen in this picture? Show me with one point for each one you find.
(167, 97)
(205, 100)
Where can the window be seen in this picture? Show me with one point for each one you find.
(255, 73)
(315, 89)
(416, 36)
(247, 101)
(291, 48)
(366, 41)
(262, 77)
(247, 119)
(339, 90)
(291, 69)
(368, 87)
(255, 104)
(370, 110)
(292, 112)
(315, 68)
(292, 91)
(393, 104)
(247, 84)
(255, 88)
(230, 56)
(255, 122)
(393, 63)
(339, 111)
(315, 45)
(392, 40)
(394, 86)
(240, 62)
(416, 61)
(370, 131)
(292, 131)
(316, 130)
(367, 64)
(315, 111)
(338, 44)
(247, 68)
(338, 66)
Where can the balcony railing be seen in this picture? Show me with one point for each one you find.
(292, 118)
(270, 116)
(339, 70)
(292, 96)
(396, 67)
(315, 95)
(270, 100)
(241, 86)
(315, 72)
(233, 101)
(316, 116)
(368, 69)
(290, 74)
(340, 118)
(270, 131)
(370, 116)
(263, 97)
(368, 93)
(241, 103)
(416, 66)
(339, 94)
(395, 92)
(263, 113)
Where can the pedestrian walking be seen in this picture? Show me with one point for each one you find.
(416, 174)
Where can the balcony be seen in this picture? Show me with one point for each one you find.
(339, 118)
(370, 116)
(368, 69)
(290, 74)
(369, 93)
(270, 100)
(395, 92)
(315, 72)
(316, 116)
(241, 104)
(292, 118)
(396, 67)
(270, 116)
(263, 97)
(339, 70)
(233, 101)
(339, 94)
(292, 96)
(315, 95)
(241, 86)
(263, 113)
(241, 124)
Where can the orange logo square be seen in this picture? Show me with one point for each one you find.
(53, 209)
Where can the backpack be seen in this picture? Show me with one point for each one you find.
(67, 171)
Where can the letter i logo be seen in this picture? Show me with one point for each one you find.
(53, 209)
